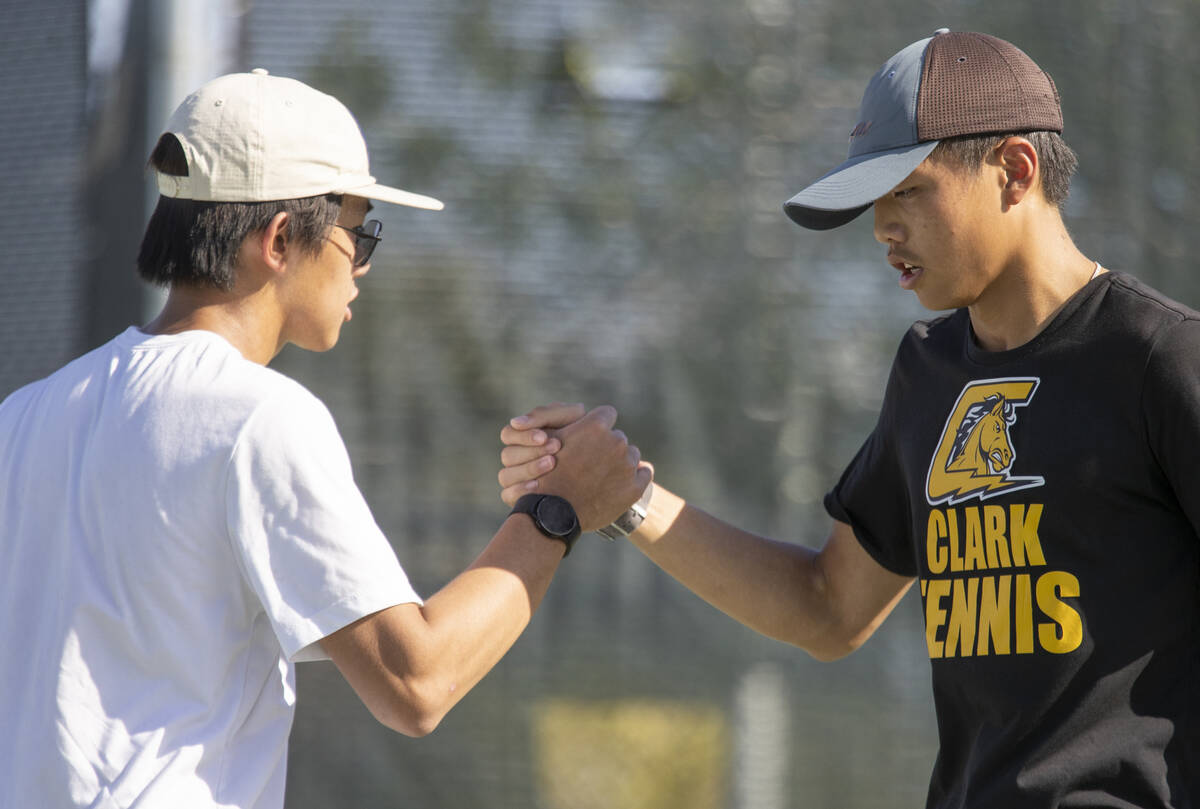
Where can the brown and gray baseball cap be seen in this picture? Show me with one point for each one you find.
(949, 84)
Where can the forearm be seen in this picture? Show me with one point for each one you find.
(411, 664)
(828, 602)
(475, 619)
(773, 587)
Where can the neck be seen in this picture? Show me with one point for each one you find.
(1029, 290)
(243, 320)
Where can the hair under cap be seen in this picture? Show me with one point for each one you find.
(946, 85)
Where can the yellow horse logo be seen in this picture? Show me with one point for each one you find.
(975, 454)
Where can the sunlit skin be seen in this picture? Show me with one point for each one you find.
(988, 241)
(409, 663)
(316, 292)
(281, 293)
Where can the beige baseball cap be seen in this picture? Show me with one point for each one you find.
(253, 137)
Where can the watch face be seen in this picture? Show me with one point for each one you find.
(556, 516)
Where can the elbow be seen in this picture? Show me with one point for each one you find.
(417, 726)
(834, 631)
(414, 724)
(415, 708)
(829, 649)
(832, 639)
(826, 645)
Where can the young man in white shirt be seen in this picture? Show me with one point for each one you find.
(179, 524)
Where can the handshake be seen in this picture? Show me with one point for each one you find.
(564, 450)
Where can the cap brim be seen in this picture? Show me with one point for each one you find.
(851, 188)
(385, 193)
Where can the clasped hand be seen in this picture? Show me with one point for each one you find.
(576, 454)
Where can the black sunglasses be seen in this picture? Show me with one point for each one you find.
(366, 238)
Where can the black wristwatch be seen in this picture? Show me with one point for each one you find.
(552, 515)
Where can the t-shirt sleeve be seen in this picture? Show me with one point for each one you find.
(1171, 404)
(871, 496)
(308, 544)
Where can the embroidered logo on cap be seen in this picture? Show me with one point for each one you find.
(861, 129)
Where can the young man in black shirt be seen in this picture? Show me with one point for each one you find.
(1034, 467)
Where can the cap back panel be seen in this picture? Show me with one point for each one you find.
(975, 84)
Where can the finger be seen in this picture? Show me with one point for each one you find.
(634, 456)
(512, 475)
(511, 494)
(517, 455)
(523, 438)
(551, 416)
(606, 415)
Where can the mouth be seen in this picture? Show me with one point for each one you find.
(909, 272)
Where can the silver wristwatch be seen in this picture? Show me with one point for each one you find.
(628, 522)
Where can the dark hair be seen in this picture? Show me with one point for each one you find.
(1058, 161)
(195, 243)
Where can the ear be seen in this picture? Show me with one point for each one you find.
(271, 243)
(1019, 160)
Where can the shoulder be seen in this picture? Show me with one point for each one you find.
(1131, 305)
(201, 383)
(1161, 334)
(278, 415)
(71, 382)
(950, 326)
(940, 336)
(278, 409)
(1137, 327)
(206, 371)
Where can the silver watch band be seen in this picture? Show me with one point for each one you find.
(628, 522)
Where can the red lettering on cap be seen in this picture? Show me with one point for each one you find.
(863, 128)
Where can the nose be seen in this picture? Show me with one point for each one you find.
(888, 229)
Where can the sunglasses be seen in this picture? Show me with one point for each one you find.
(366, 238)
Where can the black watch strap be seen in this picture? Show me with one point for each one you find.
(552, 515)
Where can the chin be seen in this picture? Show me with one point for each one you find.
(931, 303)
(318, 343)
(935, 302)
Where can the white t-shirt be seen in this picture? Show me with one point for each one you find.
(178, 527)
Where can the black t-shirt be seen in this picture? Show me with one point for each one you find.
(1048, 499)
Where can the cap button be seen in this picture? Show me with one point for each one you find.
(259, 71)
(941, 31)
